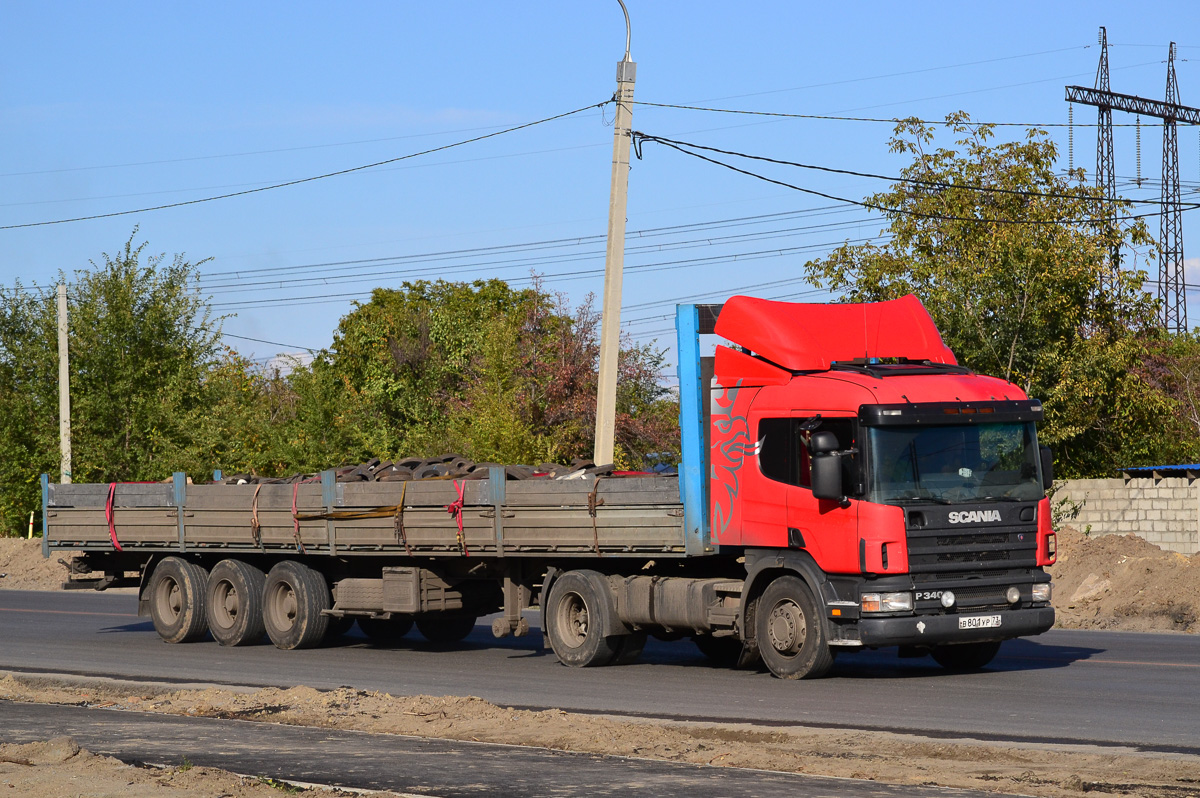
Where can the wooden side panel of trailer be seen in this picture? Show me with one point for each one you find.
(569, 517)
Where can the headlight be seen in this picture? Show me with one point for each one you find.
(1042, 591)
(887, 602)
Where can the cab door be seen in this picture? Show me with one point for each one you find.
(824, 528)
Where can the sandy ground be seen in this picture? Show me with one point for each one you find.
(899, 759)
(1113, 582)
(58, 767)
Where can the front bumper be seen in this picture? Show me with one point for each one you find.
(931, 630)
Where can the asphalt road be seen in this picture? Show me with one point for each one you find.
(1109, 688)
(412, 765)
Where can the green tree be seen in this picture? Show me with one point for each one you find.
(1009, 256)
(141, 346)
(492, 372)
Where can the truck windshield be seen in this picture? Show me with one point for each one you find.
(952, 464)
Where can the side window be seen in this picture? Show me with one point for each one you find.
(784, 456)
(776, 455)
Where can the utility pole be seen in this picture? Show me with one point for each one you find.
(614, 263)
(1106, 179)
(1171, 289)
(64, 388)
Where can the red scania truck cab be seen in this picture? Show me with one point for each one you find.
(904, 492)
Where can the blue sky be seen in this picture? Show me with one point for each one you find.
(117, 106)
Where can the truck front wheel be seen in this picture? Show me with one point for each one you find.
(235, 592)
(965, 656)
(576, 619)
(177, 607)
(293, 598)
(790, 631)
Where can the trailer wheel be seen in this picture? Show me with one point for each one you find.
(965, 657)
(292, 602)
(576, 618)
(790, 632)
(446, 629)
(386, 630)
(176, 594)
(235, 591)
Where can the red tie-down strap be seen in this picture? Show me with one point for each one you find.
(296, 518)
(110, 516)
(455, 509)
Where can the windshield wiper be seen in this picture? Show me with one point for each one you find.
(933, 499)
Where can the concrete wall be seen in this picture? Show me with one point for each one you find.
(1164, 511)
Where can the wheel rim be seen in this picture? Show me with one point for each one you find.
(787, 628)
(226, 606)
(168, 599)
(284, 606)
(573, 620)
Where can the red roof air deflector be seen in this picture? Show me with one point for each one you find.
(809, 337)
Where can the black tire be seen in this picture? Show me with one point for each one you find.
(338, 626)
(446, 629)
(386, 630)
(576, 617)
(629, 648)
(177, 600)
(235, 591)
(791, 632)
(293, 598)
(965, 657)
(723, 651)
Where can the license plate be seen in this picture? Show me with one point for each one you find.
(979, 622)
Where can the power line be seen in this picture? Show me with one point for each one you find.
(261, 341)
(343, 278)
(267, 182)
(886, 209)
(639, 137)
(552, 243)
(903, 74)
(187, 159)
(312, 178)
(889, 120)
(320, 299)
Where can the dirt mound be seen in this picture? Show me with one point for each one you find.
(25, 568)
(1124, 582)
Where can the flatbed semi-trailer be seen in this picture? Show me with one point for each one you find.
(844, 484)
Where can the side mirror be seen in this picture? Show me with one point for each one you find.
(1047, 467)
(827, 474)
(823, 442)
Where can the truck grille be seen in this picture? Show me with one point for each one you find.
(945, 550)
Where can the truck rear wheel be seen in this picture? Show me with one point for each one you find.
(965, 656)
(446, 629)
(790, 631)
(293, 598)
(235, 591)
(177, 606)
(386, 630)
(576, 618)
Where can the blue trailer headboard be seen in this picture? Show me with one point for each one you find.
(693, 476)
